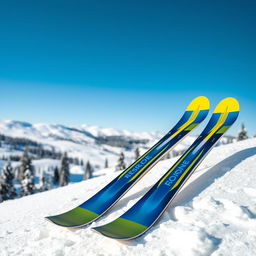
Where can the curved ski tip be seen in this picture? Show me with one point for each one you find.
(59, 222)
(199, 103)
(74, 218)
(101, 231)
(55, 220)
(229, 104)
(121, 229)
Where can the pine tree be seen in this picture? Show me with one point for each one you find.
(242, 135)
(64, 170)
(43, 182)
(28, 185)
(25, 164)
(56, 176)
(49, 178)
(136, 153)
(120, 163)
(76, 161)
(27, 174)
(88, 171)
(106, 163)
(7, 189)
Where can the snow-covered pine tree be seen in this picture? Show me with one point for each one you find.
(106, 163)
(120, 162)
(56, 176)
(49, 178)
(25, 164)
(43, 182)
(7, 189)
(76, 161)
(88, 171)
(64, 170)
(242, 135)
(28, 184)
(136, 153)
(26, 174)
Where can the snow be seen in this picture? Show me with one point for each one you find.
(83, 133)
(214, 214)
(80, 141)
(76, 141)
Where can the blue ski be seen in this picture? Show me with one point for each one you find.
(141, 216)
(98, 204)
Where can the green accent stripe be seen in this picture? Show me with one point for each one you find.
(122, 228)
(223, 129)
(219, 124)
(191, 119)
(191, 127)
(76, 217)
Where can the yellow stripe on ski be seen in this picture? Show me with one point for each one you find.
(185, 172)
(146, 165)
(168, 173)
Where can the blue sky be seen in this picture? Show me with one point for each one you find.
(125, 64)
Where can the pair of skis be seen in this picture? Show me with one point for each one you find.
(141, 216)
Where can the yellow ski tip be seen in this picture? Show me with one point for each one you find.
(228, 104)
(199, 103)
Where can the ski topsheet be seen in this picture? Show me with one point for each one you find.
(141, 216)
(94, 207)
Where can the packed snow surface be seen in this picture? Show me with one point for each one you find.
(214, 214)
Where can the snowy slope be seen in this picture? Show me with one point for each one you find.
(86, 141)
(81, 142)
(83, 133)
(214, 214)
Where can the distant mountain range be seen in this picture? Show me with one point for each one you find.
(85, 142)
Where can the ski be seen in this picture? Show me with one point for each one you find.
(141, 216)
(98, 204)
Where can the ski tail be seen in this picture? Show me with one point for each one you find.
(141, 216)
(97, 205)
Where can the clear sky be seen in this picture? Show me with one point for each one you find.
(125, 64)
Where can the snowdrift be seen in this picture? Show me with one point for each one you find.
(214, 214)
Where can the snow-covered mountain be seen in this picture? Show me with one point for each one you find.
(214, 213)
(81, 134)
(84, 142)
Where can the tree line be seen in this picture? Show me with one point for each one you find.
(20, 180)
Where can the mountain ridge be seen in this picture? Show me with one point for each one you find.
(87, 142)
